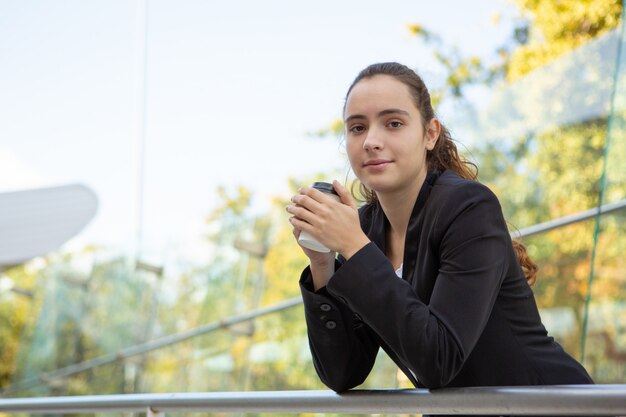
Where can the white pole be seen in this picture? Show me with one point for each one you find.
(140, 125)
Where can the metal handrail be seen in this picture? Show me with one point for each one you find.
(225, 323)
(562, 400)
(567, 220)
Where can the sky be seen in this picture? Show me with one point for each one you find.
(232, 92)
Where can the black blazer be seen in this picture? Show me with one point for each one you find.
(462, 314)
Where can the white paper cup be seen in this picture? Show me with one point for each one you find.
(305, 239)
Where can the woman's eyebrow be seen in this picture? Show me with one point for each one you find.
(382, 113)
(393, 111)
(354, 117)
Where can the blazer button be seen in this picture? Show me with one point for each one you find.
(330, 325)
(325, 307)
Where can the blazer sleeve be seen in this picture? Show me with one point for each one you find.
(434, 340)
(342, 347)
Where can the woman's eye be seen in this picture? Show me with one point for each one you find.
(357, 129)
(395, 124)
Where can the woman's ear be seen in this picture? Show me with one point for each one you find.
(433, 129)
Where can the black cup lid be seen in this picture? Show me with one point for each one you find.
(324, 187)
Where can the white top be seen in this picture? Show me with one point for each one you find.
(399, 271)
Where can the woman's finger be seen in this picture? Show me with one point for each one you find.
(296, 232)
(344, 194)
(306, 201)
(300, 225)
(301, 213)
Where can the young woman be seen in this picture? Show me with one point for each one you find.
(426, 269)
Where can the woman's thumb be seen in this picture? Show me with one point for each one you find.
(344, 194)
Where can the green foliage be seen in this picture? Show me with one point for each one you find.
(557, 27)
(461, 70)
(334, 129)
(16, 306)
(545, 30)
(234, 205)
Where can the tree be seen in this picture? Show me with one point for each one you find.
(556, 27)
(16, 306)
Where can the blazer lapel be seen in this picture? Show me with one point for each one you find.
(414, 229)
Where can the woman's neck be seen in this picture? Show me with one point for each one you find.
(398, 212)
(398, 206)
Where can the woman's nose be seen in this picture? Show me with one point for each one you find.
(373, 140)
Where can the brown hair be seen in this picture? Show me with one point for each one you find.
(444, 155)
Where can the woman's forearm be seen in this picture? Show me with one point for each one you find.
(321, 273)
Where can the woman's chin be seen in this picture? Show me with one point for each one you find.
(379, 186)
(382, 186)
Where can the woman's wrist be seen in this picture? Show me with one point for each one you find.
(322, 272)
(355, 246)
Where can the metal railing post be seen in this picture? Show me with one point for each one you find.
(151, 412)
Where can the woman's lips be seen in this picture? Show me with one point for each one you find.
(376, 164)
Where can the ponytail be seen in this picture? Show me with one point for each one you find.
(529, 268)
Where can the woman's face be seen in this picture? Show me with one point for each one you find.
(386, 140)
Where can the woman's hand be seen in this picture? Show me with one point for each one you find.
(333, 223)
